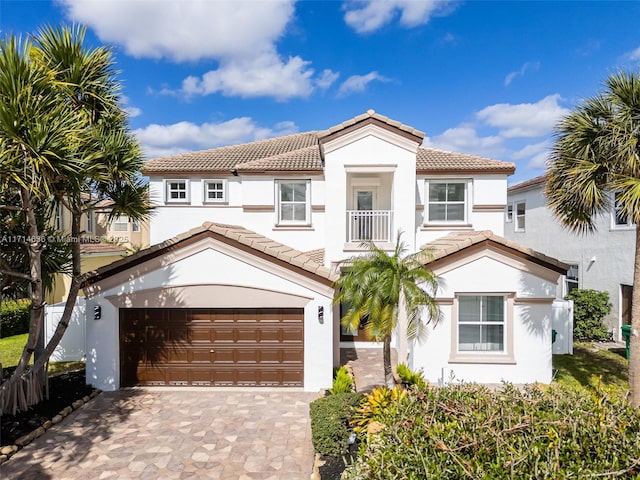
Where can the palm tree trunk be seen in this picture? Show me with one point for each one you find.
(386, 360)
(634, 345)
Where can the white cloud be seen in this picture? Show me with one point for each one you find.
(240, 36)
(164, 140)
(185, 30)
(358, 83)
(633, 55)
(129, 109)
(536, 153)
(464, 138)
(524, 119)
(326, 79)
(265, 75)
(370, 15)
(528, 66)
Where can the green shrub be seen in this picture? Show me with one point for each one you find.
(330, 422)
(467, 431)
(342, 382)
(409, 377)
(589, 309)
(14, 318)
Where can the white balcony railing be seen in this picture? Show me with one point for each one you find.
(369, 225)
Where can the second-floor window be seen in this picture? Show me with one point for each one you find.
(446, 201)
(508, 214)
(215, 191)
(520, 216)
(293, 202)
(135, 225)
(120, 224)
(177, 191)
(620, 217)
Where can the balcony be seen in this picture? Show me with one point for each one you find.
(369, 225)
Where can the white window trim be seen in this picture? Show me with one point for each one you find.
(465, 182)
(508, 213)
(567, 279)
(614, 218)
(135, 226)
(168, 199)
(307, 221)
(116, 221)
(205, 186)
(483, 356)
(90, 221)
(516, 228)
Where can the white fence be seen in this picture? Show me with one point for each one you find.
(369, 225)
(562, 323)
(72, 346)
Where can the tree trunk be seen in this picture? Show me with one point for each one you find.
(73, 290)
(634, 345)
(16, 395)
(386, 359)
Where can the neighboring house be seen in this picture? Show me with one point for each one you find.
(103, 242)
(248, 240)
(602, 260)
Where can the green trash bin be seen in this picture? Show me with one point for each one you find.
(626, 334)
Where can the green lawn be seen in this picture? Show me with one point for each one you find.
(11, 349)
(590, 366)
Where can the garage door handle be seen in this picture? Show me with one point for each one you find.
(211, 351)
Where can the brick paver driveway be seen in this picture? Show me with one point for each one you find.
(179, 433)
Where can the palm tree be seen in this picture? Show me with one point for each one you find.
(379, 285)
(63, 140)
(594, 167)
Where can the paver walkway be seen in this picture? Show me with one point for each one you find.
(175, 434)
(367, 365)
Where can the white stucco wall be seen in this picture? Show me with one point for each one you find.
(611, 249)
(173, 219)
(531, 326)
(207, 266)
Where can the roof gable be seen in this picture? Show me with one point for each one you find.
(235, 236)
(457, 244)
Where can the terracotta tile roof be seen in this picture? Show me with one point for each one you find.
(316, 255)
(430, 160)
(235, 234)
(457, 241)
(302, 152)
(372, 115)
(89, 248)
(304, 159)
(224, 159)
(532, 182)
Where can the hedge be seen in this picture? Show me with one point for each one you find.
(14, 318)
(330, 422)
(467, 431)
(589, 309)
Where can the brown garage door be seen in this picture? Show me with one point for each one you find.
(247, 347)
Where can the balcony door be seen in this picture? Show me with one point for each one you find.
(364, 201)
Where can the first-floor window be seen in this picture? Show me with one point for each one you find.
(293, 201)
(446, 201)
(571, 280)
(481, 323)
(90, 221)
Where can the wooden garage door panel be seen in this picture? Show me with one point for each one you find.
(261, 347)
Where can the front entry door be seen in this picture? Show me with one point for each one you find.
(358, 335)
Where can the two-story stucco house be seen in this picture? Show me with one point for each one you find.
(237, 288)
(602, 260)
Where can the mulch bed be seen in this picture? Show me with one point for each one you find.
(64, 389)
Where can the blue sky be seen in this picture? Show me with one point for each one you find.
(485, 78)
